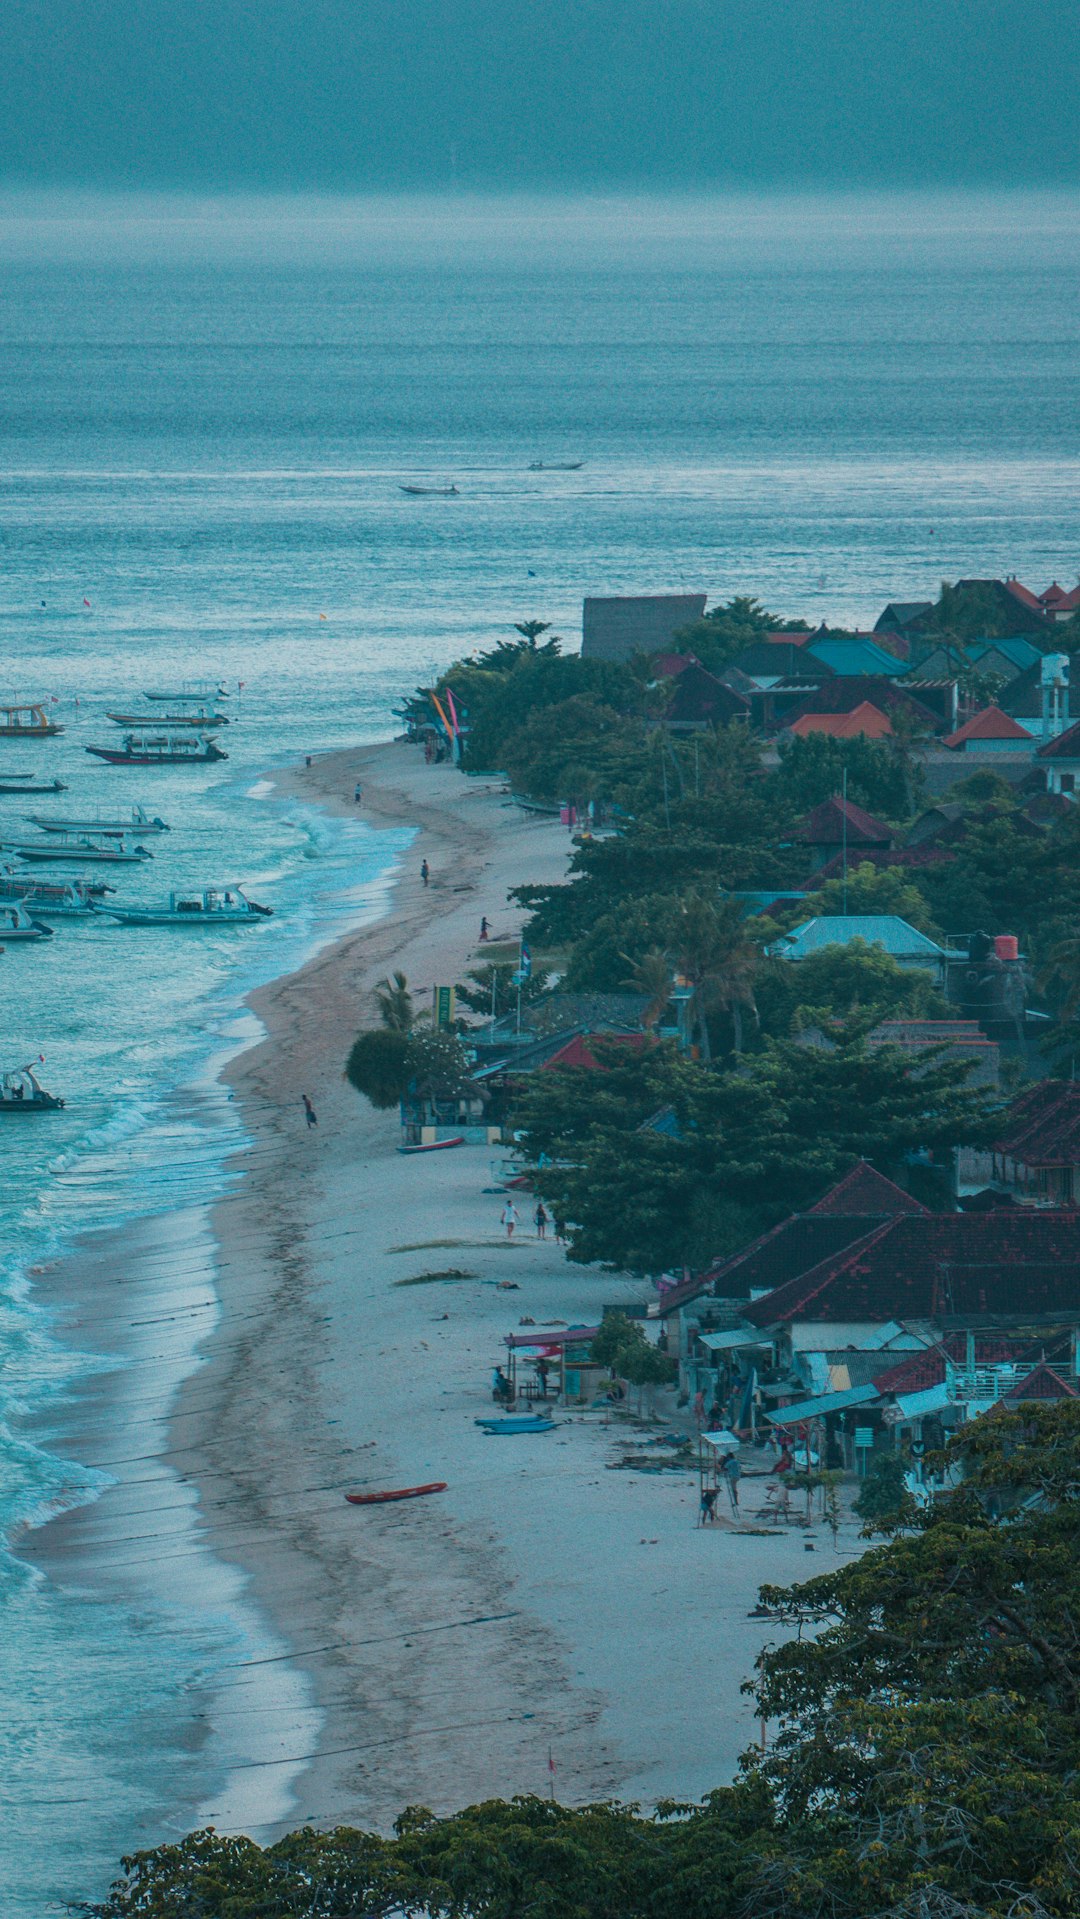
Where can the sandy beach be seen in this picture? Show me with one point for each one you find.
(543, 1603)
(440, 1651)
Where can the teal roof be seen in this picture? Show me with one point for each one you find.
(846, 657)
(1018, 650)
(877, 929)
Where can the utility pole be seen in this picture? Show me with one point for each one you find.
(844, 810)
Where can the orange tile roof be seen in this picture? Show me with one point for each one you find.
(866, 719)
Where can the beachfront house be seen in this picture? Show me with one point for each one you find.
(837, 825)
(903, 943)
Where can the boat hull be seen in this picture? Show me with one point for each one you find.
(203, 720)
(512, 1425)
(131, 916)
(402, 1492)
(434, 1145)
(116, 756)
(76, 855)
(18, 786)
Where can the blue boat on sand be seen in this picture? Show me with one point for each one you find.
(518, 1423)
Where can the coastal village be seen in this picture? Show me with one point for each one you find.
(809, 867)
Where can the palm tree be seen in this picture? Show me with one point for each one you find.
(651, 975)
(1062, 971)
(711, 950)
(395, 1004)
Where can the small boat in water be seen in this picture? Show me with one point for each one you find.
(216, 906)
(201, 719)
(23, 784)
(555, 466)
(78, 849)
(520, 1423)
(138, 821)
(431, 492)
(70, 902)
(191, 693)
(27, 723)
(404, 1492)
(17, 884)
(160, 749)
(17, 925)
(22, 1092)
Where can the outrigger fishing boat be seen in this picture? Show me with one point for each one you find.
(192, 692)
(160, 749)
(434, 492)
(138, 821)
(202, 719)
(27, 723)
(398, 1492)
(70, 902)
(76, 849)
(22, 1092)
(555, 466)
(215, 906)
(16, 924)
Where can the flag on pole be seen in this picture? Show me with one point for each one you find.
(524, 961)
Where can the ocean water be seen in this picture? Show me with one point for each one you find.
(207, 412)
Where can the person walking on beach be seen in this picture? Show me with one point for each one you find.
(358, 793)
(708, 1504)
(309, 1112)
(541, 1218)
(731, 1471)
(484, 928)
(510, 1218)
(425, 871)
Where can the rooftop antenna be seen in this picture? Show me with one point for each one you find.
(844, 828)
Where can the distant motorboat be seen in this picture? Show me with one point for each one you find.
(201, 719)
(435, 492)
(555, 466)
(78, 849)
(214, 906)
(21, 1092)
(26, 723)
(191, 693)
(17, 924)
(160, 749)
(138, 821)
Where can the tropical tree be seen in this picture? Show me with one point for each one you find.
(380, 1065)
(711, 948)
(395, 1004)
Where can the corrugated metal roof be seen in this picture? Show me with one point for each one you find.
(824, 1403)
(877, 929)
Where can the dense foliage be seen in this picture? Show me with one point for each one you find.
(923, 1760)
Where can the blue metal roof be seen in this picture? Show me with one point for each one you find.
(839, 929)
(824, 1403)
(847, 657)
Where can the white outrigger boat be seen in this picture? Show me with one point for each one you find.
(191, 693)
(160, 749)
(16, 924)
(22, 1092)
(199, 718)
(138, 821)
(69, 902)
(214, 906)
(78, 849)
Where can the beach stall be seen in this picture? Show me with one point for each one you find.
(553, 1362)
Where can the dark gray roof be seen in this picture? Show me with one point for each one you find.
(615, 629)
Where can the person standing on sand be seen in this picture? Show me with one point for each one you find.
(510, 1218)
(358, 794)
(731, 1473)
(484, 928)
(541, 1219)
(425, 871)
(309, 1112)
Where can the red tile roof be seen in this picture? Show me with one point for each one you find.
(1042, 1127)
(798, 638)
(864, 1190)
(1023, 594)
(825, 826)
(914, 1373)
(842, 695)
(865, 719)
(990, 724)
(1043, 1383)
(940, 1266)
(925, 854)
(668, 666)
(577, 1051)
(1065, 747)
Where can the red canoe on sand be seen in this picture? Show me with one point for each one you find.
(434, 1145)
(406, 1492)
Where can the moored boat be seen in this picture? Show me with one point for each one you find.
(27, 723)
(23, 785)
(555, 466)
(17, 884)
(160, 749)
(432, 492)
(22, 1092)
(214, 906)
(71, 901)
(201, 719)
(402, 1492)
(17, 926)
(191, 693)
(78, 849)
(138, 821)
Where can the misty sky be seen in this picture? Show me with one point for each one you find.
(423, 93)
